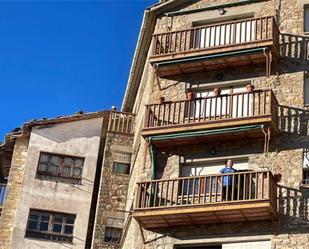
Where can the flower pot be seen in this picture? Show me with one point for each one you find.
(161, 100)
(217, 91)
(250, 88)
(190, 95)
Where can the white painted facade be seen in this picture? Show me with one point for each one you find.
(78, 138)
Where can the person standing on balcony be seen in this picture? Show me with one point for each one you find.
(227, 181)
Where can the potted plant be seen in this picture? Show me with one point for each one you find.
(190, 95)
(217, 91)
(250, 88)
(161, 100)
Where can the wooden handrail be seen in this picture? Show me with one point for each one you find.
(216, 24)
(215, 35)
(214, 108)
(121, 122)
(208, 189)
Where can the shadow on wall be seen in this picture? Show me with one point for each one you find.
(295, 52)
(293, 208)
(294, 120)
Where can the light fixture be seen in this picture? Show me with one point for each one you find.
(213, 151)
(222, 11)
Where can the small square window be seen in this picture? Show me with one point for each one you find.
(53, 169)
(44, 158)
(44, 226)
(32, 225)
(113, 235)
(43, 167)
(77, 172)
(121, 168)
(66, 171)
(55, 160)
(79, 163)
(68, 230)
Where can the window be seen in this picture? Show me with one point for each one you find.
(121, 168)
(113, 235)
(60, 167)
(230, 33)
(306, 13)
(233, 106)
(50, 226)
(306, 90)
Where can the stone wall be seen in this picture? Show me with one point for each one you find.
(111, 204)
(286, 152)
(14, 187)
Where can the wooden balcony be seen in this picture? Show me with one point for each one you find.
(235, 111)
(212, 47)
(121, 122)
(251, 196)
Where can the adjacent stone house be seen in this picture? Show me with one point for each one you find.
(65, 181)
(212, 81)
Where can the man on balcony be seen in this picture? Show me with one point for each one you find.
(227, 181)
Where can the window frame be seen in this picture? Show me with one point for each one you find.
(114, 230)
(49, 234)
(59, 175)
(128, 170)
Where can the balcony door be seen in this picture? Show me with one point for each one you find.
(222, 34)
(234, 102)
(208, 168)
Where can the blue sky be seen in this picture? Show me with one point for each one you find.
(58, 57)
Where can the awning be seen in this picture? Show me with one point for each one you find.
(211, 57)
(204, 133)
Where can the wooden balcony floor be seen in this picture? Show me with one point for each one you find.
(215, 213)
(208, 60)
(216, 124)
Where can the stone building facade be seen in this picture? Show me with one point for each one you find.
(69, 208)
(286, 156)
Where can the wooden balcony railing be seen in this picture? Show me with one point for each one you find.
(226, 34)
(224, 108)
(176, 199)
(184, 191)
(121, 122)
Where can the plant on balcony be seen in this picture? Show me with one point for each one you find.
(161, 100)
(217, 91)
(250, 88)
(190, 95)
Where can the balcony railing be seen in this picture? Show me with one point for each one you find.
(209, 110)
(226, 34)
(121, 122)
(231, 193)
